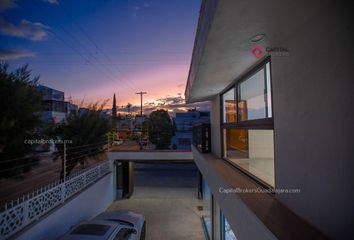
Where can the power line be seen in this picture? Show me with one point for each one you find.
(81, 146)
(15, 159)
(75, 40)
(46, 185)
(85, 59)
(19, 166)
(38, 156)
(31, 164)
(86, 155)
(93, 42)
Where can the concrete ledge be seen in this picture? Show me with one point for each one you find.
(242, 220)
(251, 215)
(157, 156)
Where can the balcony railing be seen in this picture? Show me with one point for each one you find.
(20, 214)
(202, 137)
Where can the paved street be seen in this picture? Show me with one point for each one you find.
(46, 172)
(166, 195)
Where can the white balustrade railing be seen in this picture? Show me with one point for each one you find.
(18, 215)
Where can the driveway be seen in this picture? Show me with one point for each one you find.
(171, 208)
(171, 214)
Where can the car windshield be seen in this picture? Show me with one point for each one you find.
(90, 229)
(123, 234)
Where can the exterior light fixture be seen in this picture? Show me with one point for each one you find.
(257, 37)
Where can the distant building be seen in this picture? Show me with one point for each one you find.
(72, 109)
(138, 123)
(125, 128)
(55, 109)
(106, 114)
(184, 123)
(83, 110)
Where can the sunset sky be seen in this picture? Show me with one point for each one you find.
(91, 49)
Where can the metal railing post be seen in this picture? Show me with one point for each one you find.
(63, 188)
(108, 142)
(64, 170)
(25, 212)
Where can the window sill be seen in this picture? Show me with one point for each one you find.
(270, 184)
(279, 219)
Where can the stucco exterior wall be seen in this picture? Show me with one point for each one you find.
(313, 93)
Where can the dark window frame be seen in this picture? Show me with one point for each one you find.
(233, 86)
(266, 123)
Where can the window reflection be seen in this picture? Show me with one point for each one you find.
(252, 150)
(255, 97)
(227, 233)
(229, 106)
(250, 99)
(207, 209)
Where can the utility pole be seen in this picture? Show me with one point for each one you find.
(141, 101)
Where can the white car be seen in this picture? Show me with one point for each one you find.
(116, 225)
(118, 142)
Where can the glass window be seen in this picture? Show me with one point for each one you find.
(229, 106)
(206, 208)
(91, 229)
(252, 150)
(227, 233)
(184, 141)
(255, 96)
(123, 234)
(250, 144)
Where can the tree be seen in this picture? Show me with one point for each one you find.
(19, 120)
(145, 128)
(129, 105)
(161, 129)
(114, 113)
(86, 134)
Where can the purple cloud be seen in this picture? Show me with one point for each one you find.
(25, 29)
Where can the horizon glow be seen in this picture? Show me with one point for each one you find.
(93, 49)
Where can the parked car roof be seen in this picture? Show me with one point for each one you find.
(104, 225)
(92, 230)
(123, 215)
